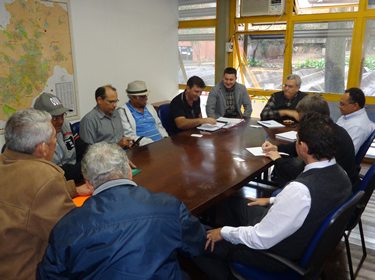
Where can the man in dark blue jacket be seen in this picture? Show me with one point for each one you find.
(123, 231)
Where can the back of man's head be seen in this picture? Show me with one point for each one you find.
(295, 77)
(195, 81)
(313, 104)
(26, 129)
(104, 162)
(356, 95)
(320, 134)
(230, 71)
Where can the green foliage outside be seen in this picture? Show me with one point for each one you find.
(260, 63)
(320, 63)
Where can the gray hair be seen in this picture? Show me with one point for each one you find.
(26, 129)
(130, 96)
(314, 103)
(103, 162)
(295, 77)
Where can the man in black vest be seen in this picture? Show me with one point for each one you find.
(294, 215)
(281, 106)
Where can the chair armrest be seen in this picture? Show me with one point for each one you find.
(288, 263)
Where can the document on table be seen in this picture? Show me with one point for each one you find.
(271, 124)
(258, 151)
(290, 136)
(211, 127)
(230, 122)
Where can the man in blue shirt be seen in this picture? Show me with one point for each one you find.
(138, 117)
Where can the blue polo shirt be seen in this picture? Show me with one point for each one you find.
(145, 123)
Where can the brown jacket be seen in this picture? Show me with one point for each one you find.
(34, 197)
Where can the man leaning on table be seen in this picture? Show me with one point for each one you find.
(293, 216)
(103, 123)
(123, 231)
(34, 193)
(139, 117)
(354, 117)
(185, 108)
(227, 97)
(281, 105)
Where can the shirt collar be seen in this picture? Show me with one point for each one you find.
(355, 114)
(320, 164)
(102, 115)
(113, 183)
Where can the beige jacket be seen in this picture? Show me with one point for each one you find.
(34, 197)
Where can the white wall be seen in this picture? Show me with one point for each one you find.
(119, 41)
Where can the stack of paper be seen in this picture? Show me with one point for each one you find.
(230, 122)
(211, 127)
(271, 124)
(290, 136)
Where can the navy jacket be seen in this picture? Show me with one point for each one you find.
(123, 232)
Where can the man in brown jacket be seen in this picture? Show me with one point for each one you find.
(34, 193)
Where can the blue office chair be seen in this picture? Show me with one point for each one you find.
(312, 262)
(367, 185)
(163, 113)
(76, 126)
(363, 150)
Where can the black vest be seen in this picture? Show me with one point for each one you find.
(329, 188)
(280, 103)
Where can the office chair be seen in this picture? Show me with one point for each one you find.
(363, 149)
(163, 113)
(312, 262)
(76, 126)
(3, 148)
(367, 185)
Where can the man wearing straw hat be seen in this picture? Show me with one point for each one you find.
(138, 117)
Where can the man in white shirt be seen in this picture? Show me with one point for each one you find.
(288, 225)
(354, 117)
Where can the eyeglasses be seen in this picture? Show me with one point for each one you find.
(288, 86)
(343, 105)
(112, 101)
(60, 117)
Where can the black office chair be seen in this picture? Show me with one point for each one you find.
(367, 185)
(76, 126)
(163, 113)
(3, 148)
(364, 148)
(314, 257)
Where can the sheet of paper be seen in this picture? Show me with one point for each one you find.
(211, 127)
(287, 136)
(271, 124)
(230, 120)
(255, 126)
(258, 151)
(196, 135)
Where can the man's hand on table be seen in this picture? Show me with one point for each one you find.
(274, 155)
(213, 235)
(126, 143)
(267, 147)
(208, 120)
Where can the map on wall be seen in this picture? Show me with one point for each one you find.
(35, 55)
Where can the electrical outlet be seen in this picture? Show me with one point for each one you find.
(229, 47)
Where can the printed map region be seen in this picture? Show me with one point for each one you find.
(35, 54)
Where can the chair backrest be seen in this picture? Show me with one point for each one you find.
(329, 234)
(3, 148)
(367, 185)
(76, 126)
(163, 113)
(363, 149)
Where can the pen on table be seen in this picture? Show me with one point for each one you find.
(265, 142)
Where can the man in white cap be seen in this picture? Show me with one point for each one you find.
(138, 117)
(70, 148)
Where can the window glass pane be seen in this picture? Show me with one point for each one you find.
(197, 54)
(371, 4)
(197, 11)
(263, 60)
(326, 6)
(262, 27)
(368, 60)
(321, 53)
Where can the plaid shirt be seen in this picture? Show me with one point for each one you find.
(231, 107)
(269, 113)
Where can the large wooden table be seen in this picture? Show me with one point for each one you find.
(202, 171)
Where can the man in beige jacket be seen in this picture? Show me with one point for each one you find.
(34, 193)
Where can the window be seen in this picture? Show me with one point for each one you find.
(262, 60)
(367, 79)
(197, 54)
(196, 9)
(326, 6)
(321, 53)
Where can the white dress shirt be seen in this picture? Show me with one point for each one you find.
(289, 211)
(358, 126)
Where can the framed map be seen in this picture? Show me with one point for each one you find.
(35, 55)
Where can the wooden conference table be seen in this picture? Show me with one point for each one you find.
(202, 171)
